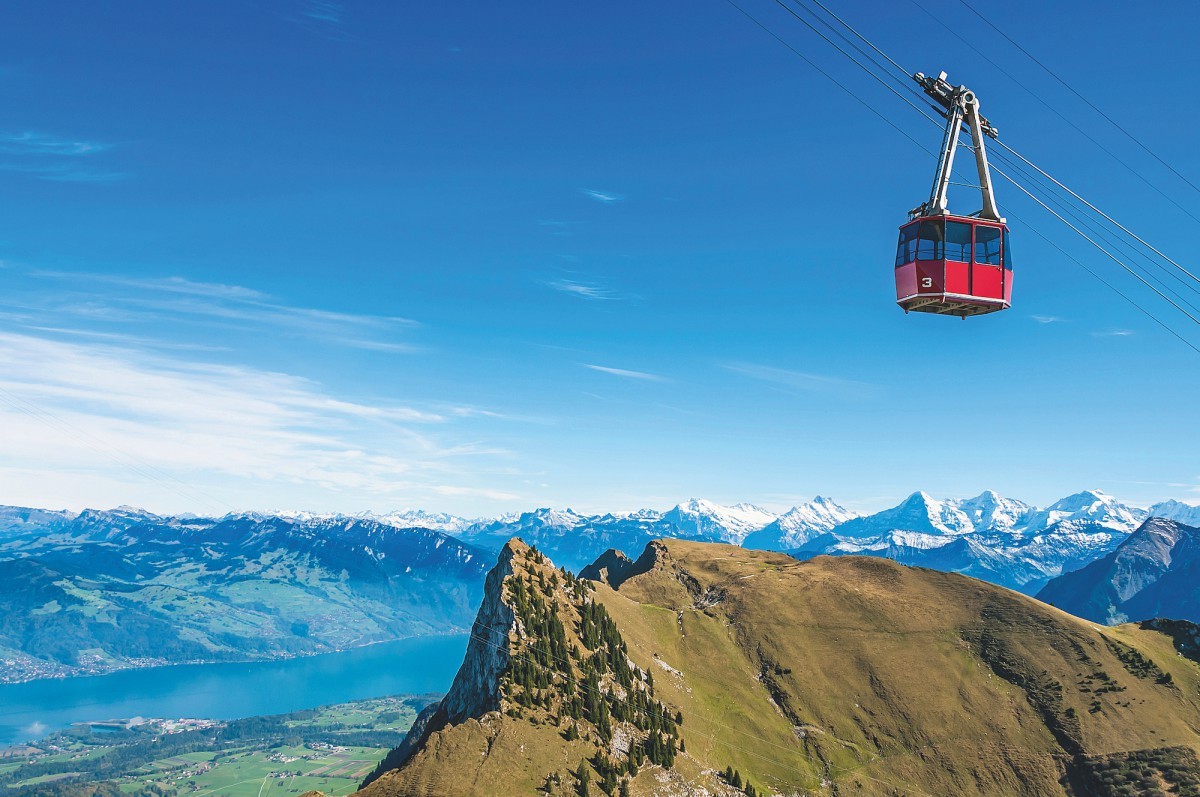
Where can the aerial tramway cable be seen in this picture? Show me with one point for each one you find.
(1100, 212)
(1085, 100)
(1012, 165)
(1097, 227)
(1061, 185)
(1058, 113)
(1116, 260)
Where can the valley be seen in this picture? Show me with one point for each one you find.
(330, 749)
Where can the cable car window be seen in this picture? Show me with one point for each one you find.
(1007, 251)
(958, 241)
(931, 245)
(987, 245)
(906, 249)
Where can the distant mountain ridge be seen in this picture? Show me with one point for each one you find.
(89, 591)
(998, 539)
(990, 537)
(1154, 573)
(99, 591)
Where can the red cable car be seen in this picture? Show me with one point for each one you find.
(954, 265)
(950, 264)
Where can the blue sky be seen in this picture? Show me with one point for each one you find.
(476, 258)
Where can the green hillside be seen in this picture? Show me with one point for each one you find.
(847, 676)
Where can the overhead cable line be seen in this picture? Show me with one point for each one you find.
(1099, 229)
(1086, 101)
(1100, 212)
(834, 44)
(892, 124)
(1077, 196)
(830, 77)
(1107, 253)
(1108, 284)
(903, 80)
(1058, 113)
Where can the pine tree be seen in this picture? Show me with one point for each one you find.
(584, 776)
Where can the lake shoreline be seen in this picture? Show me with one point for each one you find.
(422, 664)
(153, 664)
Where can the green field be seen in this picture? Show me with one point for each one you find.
(330, 749)
(257, 773)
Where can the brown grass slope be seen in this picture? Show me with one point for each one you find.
(836, 676)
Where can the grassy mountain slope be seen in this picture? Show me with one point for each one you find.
(837, 676)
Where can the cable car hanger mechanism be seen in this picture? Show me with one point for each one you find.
(960, 104)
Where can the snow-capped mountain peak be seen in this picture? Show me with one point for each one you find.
(1187, 514)
(992, 512)
(799, 525)
(708, 520)
(420, 519)
(1090, 506)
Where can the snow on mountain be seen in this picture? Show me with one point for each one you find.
(1187, 514)
(705, 520)
(989, 536)
(420, 519)
(995, 513)
(1002, 540)
(799, 525)
(1153, 573)
(915, 540)
(919, 512)
(1092, 506)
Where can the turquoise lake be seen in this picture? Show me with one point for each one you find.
(228, 691)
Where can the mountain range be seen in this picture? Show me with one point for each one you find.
(998, 539)
(1153, 573)
(703, 668)
(100, 590)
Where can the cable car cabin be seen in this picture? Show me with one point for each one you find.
(953, 265)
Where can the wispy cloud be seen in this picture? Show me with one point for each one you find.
(323, 11)
(1047, 319)
(625, 373)
(54, 158)
(81, 418)
(1113, 333)
(63, 172)
(30, 143)
(490, 494)
(113, 299)
(803, 380)
(323, 17)
(584, 290)
(605, 197)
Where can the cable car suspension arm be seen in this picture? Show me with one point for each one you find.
(960, 104)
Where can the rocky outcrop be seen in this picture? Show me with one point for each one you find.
(476, 687)
(611, 568)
